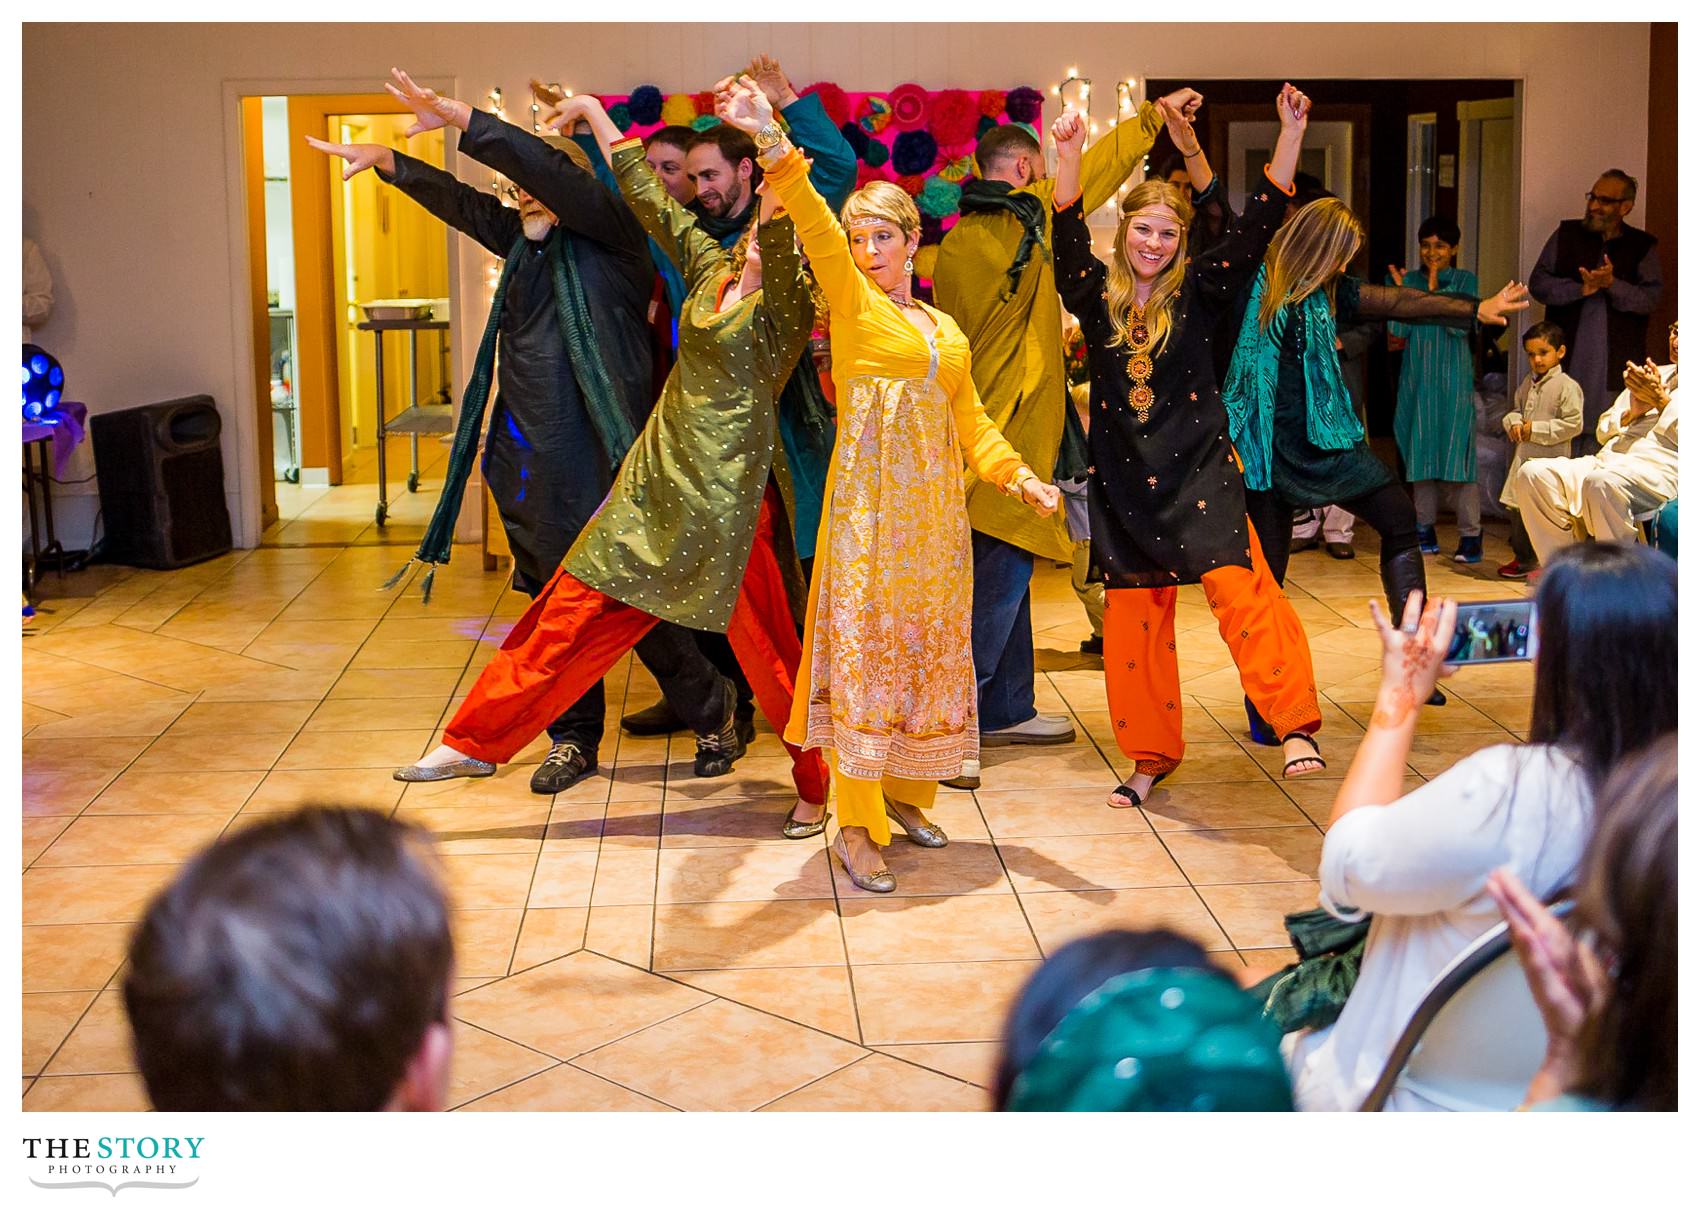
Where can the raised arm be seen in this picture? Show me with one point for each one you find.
(1360, 299)
(583, 205)
(1107, 163)
(1080, 275)
(473, 212)
(786, 304)
(832, 161)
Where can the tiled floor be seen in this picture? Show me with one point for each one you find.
(347, 513)
(646, 940)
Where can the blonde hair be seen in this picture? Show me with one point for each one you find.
(883, 200)
(1306, 255)
(1120, 283)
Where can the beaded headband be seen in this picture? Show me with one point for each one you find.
(868, 221)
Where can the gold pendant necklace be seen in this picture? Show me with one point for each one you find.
(1139, 366)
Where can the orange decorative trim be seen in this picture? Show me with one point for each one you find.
(1288, 190)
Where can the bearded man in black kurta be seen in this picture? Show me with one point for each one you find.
(547, 456)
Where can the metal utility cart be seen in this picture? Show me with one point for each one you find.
(412, 317)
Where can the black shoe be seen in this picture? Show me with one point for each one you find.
(1340, 551)
(718, 751)
(565, 766)
(1305, 545)
(657, 720)
(744, 716)
(1093, 645)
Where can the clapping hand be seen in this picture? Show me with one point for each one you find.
(430, 110)
(1598, 279)
(743, 104)
(1512, 297)
(360, 156)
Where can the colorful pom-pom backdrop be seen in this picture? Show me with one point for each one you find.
(922, 139)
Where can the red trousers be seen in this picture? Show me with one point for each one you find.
(573, 635)
(1142, 677)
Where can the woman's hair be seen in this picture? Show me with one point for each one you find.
(1306, 255)
(1628, 898)
(1120, 282)
(1605, 664)
(1069, 975)
(883, 200)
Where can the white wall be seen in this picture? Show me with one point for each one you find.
(132, 191)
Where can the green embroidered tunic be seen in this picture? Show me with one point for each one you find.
(675, 533)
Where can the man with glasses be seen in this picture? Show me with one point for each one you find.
(1599, 279)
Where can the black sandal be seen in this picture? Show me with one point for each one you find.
(1123, 790)
(1287, 769)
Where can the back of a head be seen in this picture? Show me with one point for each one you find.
(1110, 1021)
(293, 966)
(1605, 661)
(1308, 253)
(1628, 898)
(1002, 144)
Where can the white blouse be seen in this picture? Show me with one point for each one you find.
(1419, 865)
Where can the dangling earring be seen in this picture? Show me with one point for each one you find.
(909, 265)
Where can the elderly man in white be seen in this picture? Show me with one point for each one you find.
(1598, 496)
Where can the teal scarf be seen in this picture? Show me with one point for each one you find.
(613, 425)
(1249, 394)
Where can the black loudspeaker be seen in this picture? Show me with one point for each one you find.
(161, 480)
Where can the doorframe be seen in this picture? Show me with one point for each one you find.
(252, 408)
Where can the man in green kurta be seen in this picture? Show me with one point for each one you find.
(995, 277)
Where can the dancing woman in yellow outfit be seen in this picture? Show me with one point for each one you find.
(887, 679)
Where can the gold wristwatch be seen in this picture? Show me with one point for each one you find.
(769, 137)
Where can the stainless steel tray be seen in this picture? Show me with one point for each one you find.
(397, 309)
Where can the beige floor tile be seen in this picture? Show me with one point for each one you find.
(565, 1088)
(883, 1084)
(488, 882)
(339, 715)
(1219, 806)
(1059, 917)
(565, 879)
(973, 1062)
(401, 684)
(625, 933)
(817, 996)
(1102, 861)
(548, 934)
(107, 841)
(87, 755)
(733, 935)
(727, 823)
(254, 716)
(413, 655)
(686, 1062)
(200, 752)
(484, 941)
(624, 877)
(47, 1021)
(483, 829)
(69, 895)
(62, 793)
(1438, 753)
(100, 1043)
(356, 748)
(88, 1093)
(1247, 856)
(936, 1003)
(171, 792)
(1217, 762)
(961, 868)
(283, 791)
(271, 684)
(1315, 797)
(575, 1004)
(39, 833)
(1018, 768)
(1253, 914)
(747, 873)
(116, 719)
(1039, 814)
(81, 956)
(484, 1063)
(923, 929)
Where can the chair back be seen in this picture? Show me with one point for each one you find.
(1476, 1039)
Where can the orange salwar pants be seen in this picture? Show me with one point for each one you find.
(573, 635)
(1142, 676)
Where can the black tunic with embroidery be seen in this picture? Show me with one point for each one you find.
(1165, 495)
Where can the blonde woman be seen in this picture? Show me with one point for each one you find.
(1166, 498)
(1290, 416)
(887, 681)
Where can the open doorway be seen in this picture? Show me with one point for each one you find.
(332, 251)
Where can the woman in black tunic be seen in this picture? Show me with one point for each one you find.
(1291, 417)
(1165, 493)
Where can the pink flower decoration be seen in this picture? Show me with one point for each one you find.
(910, 105)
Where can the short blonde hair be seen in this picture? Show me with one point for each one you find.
(883, 200)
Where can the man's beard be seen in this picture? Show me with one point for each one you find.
(538, 227)
(730, 205)
(1593, 224)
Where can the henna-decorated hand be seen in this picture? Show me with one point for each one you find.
(1413, 656)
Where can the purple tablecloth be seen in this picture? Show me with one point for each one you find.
(70, 422)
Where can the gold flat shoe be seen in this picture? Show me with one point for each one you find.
(461, 768)
(881, 881)
(803, 829)
(923, 835)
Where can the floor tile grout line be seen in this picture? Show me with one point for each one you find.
(866, 1053)
(59, 1048)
